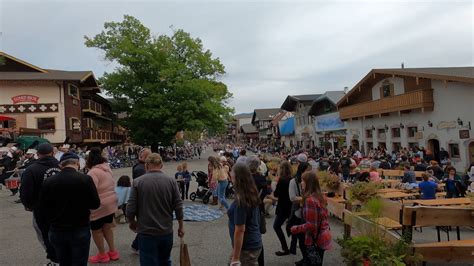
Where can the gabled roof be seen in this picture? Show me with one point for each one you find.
(86, 77)
(291, 100)
(264, 114)
(458, 74)
(248, 128)
(19, 61)
(332, 96)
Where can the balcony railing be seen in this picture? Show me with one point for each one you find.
(408, 101)
(92, 135)
(91, 106)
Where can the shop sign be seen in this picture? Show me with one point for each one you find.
(25, 99)
(446, 124)
(464, 134)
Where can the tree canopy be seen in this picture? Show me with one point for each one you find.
(164, 83)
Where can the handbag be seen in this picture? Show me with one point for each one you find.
(184, 259)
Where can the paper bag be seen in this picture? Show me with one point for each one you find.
(184, 259)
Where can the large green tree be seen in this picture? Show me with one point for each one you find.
(164, 83)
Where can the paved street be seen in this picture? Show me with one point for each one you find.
(208, 242)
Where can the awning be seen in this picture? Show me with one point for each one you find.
(287, 127)
(5, 118)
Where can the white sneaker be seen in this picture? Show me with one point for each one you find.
(51, 263)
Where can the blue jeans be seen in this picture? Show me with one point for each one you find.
(155, 250)
(72, 246)
(221, 188)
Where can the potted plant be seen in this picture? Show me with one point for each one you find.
(329, 182)
(363, 191)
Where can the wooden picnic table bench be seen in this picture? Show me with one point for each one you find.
(396, 195)
(388, 190)
(443, 202)
(447, 251)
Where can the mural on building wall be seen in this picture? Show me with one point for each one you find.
(329, 122)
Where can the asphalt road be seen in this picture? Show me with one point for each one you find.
(208, 242)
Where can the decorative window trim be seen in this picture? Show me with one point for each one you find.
(69, 85)
(71, 125)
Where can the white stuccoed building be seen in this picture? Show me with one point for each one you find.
(424, 107)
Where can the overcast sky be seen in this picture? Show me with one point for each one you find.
(270, 49)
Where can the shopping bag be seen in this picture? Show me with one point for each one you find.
(184, 259)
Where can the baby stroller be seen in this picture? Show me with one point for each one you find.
(203, 192)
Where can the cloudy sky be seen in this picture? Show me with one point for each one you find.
(270, 49)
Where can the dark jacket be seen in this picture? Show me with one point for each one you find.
(138, 170)
(284, 203)
(67, 198)
(32, 180)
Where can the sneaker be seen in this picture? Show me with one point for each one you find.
(114, 255)
(51, 263)
(99, 258)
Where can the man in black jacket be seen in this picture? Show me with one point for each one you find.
(30, 190)
(66, 199)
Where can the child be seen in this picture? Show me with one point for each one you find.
(179, 176)
(123, 193)
(187, 179)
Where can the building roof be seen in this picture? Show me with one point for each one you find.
(35, 73)
(291, 100)
(248, 128)
(457, 74)
(278, 117)
(243, 115)
(332, 96)
(264, 114)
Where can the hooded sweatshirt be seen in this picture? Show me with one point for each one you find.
(104, 182)
(32, 180)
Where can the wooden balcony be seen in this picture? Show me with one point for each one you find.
(421, 99)
(91, 106)
(102, 136)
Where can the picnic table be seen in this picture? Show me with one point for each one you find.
(388, 190)
(443, 202)
(388, 223)
(396, 195)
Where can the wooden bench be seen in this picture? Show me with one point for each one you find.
(446, 251)
(396, 195)
(392, 173)
(443, 202)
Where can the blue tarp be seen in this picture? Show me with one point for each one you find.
(287, 127)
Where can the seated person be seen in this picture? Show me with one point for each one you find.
(374, 175)
(409, 176)
(427, 188)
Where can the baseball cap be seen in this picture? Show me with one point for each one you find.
(302, 158)
(45, 148)
(69, 155)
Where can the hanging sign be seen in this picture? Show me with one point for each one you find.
(25, 99)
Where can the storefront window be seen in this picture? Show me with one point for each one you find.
(395, 132)
(46, 123)
(412, 131)
(454, 150)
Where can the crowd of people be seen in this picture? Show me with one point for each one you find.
(70, 206)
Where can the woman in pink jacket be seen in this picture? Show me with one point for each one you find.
(102, 219)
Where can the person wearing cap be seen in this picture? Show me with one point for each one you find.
(154, 198)
(30, 191)
(9, 161)
(67, 199)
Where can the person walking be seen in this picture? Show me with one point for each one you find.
(154, 198)
(214, 168)
(67, 198)
(139, 168)
(137, 171)
(296, 216)
(316, 226)
(102, 219)
(283, 208)
(223, 182)
(244, 218)
(30, 192)
(187, 179)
